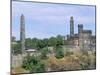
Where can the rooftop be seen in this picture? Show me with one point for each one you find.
(30, 50)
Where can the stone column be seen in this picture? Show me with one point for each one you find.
(22, 33)
(80, 30)
(71, 26)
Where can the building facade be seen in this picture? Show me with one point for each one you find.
(83, 39)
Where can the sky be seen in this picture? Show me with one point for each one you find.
(44, 20)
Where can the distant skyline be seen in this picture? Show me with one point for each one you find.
(43, 20)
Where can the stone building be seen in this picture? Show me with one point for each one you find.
(83, 39)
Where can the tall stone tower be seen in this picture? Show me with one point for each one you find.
(71, 26)
(80, 28)
(80, 33)
(22, 33)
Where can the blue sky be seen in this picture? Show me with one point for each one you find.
(43, 20)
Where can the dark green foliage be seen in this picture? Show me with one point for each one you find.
(16, 48)
(45, 42)
(56, 41)
(29, 62)
(28, 43)
(59, 52)
(44, 53)
(40, 67)
(52, 41)
(33, 64)
(40, 44)
(37, 43)
(59, 40)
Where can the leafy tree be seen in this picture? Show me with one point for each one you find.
(60, 40)
(28, 43)
(40, 67)
(33, 64)
(16, 48)
(35, 42)
(45, 42)
(29, 62)
(59, 52)
(40, 44)
(52, 41)
(44, 53)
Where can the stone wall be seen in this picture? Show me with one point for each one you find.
(17, 60)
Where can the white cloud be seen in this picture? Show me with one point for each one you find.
(51, 14)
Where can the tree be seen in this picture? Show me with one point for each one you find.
(40, 44)
(33, 64)
(29, 62)
(59, 40)
(35, 43)
(44, 52)
(52, 41)
(28, 43)
(59, 52)
(16, 48)
(45, 42)
(40, 67)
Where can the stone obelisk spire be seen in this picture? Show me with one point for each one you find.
(71, 26)
(22, 33)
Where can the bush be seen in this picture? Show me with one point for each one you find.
(33, 64)
(40, 67)
(44, 52)
(59, 52)
(16, 48)
(29, 62)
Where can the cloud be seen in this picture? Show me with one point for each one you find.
(51, 18)
(43, 11)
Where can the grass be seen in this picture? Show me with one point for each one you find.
(18, 70)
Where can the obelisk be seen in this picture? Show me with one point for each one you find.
(71, 26)
(22, 33)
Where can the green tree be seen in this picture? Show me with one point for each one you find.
(34, 43)
(28, 43)
(16, 48)
(44, 52)
(59, 52)
(40, 44)
(52, 41)
(60, 40)
(33, 64)
(40, 67)
(29, 62)
(45, 42)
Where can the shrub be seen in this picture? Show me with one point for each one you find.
(33, 64)
(59, 52)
